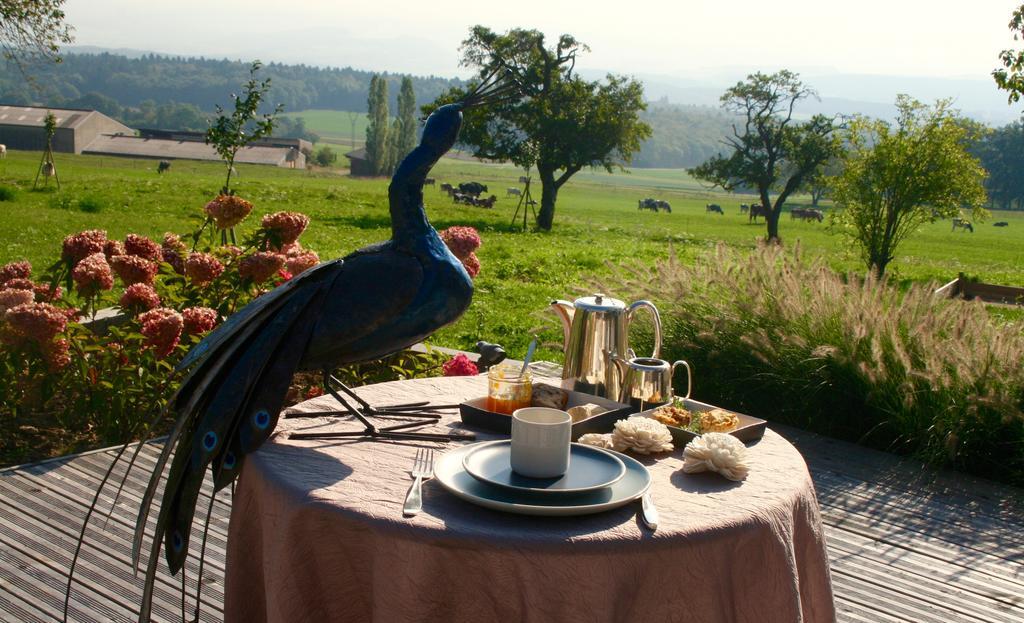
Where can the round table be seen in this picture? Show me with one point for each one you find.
(317, 534)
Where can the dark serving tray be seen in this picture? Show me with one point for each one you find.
(475, 414)
(749, 428)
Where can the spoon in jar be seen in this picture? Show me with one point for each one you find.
(529, 357)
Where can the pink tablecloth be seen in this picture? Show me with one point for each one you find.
(317, 534)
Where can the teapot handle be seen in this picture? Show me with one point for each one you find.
(689, 376)
(657, 323)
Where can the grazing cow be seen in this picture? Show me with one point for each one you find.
(664, 205)
(447, 188)
(523, 179)
(757, 210)
(647, 204)
(807, 214)
(513, 191)
(472, 188)
(962, 223)
(744, 208)
(714, 207)
(1001, 224)
(429, 181)
(3, 151)
(163, 166)
(485, 203)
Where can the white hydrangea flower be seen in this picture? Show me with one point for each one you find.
(641, 435)
(716, 452)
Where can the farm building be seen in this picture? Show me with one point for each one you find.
(22, 128)
(359, 164)
(92, 132)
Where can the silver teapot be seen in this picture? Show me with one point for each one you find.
(595, 326)
(646, 382)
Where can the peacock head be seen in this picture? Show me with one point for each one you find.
(442, 127)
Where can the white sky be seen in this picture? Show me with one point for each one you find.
(684, 38)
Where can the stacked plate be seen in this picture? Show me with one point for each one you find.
(597, 480)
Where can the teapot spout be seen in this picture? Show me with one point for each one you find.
(565, 311)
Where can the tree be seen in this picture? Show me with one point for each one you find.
(231, 132)
(1001, 152)
(1011, 77)
(772, 151)
(377, 144)
(407, 125)
(555, 121)
(325, 156)
(32, 30)
(896, 178)
(818, 181)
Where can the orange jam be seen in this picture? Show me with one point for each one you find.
(506, 390)
(507, 406)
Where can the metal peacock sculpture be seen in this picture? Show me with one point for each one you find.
(374, 302)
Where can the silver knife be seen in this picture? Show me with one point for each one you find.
(529, 356)
(648, 511)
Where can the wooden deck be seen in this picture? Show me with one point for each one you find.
(906, 543)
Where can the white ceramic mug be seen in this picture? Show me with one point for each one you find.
(540, 442)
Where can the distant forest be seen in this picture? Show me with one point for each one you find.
(179, 93)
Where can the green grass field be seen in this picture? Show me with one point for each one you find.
(333, 126)
(597, 222)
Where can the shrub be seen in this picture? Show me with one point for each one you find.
(7, 193)
(778, 337)
(325, 156)
(90, 204)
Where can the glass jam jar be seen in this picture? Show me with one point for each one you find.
(507, 391)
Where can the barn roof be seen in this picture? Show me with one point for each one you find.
(34, 116)
(358, 154)
(138, 147)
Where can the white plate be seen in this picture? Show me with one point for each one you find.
(590, 469)
(450, 473)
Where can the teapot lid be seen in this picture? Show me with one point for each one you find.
(599, 303)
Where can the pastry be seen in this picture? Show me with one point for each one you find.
(718, 421)
(582, 412)
(673, 415)
(548, 396)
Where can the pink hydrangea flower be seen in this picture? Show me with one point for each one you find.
(285, 227)
(162, 327)
(173, 242)
(79, 246)
(39, 321)
(20, 283)
(228, 210)
(139, 297)
(93, 274)
(134, 269)
(461, 240)
(57, 354)
(297, 264)
(202, 268)
(199, 320)
(45, 293)
(472, 264)
(292, 248)
(260, 266)
(11, 297)
(459, 365)
(15, 270)
(113, 248)
(142, 246)
(175, 259)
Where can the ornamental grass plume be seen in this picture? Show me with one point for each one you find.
(202, 268)
(459, 365)
(227, 210)
(260, 266)
(38, 321)
(142, 246)
(284, 228)
(15, 270)
(138, 298)
(198, 320)
(297, 264)
(11, 297)
(462, 240)
(162, 328)
(134, 269)
(789, 339)
(93, 274)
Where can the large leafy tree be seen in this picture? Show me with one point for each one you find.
(32, 30)
(557, 122)
(378, 144)
(900, 175)
(1001, 152)
(1010, 77)
(771, 152)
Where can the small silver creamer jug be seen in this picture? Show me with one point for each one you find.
(647, 381)
(594, 326)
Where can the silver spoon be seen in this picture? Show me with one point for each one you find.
(529, 357)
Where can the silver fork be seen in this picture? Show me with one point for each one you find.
(422, 469)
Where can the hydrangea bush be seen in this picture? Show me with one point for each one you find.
(56, 359)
